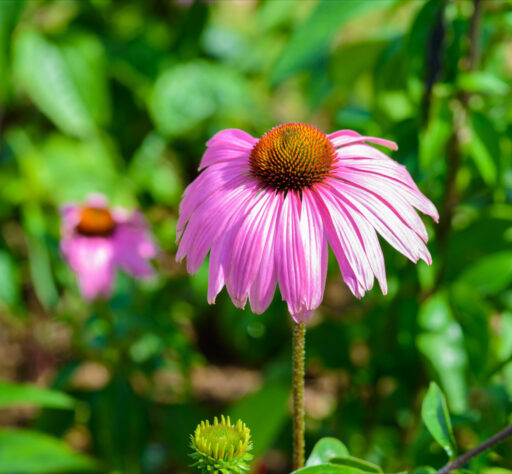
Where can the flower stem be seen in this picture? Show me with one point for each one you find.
(459, 462)
(299, 424)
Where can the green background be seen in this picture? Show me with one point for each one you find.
(120, 98)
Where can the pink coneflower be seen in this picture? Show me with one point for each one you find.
(267, 210)
(96, 240)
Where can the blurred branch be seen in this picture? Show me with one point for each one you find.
(459, 462)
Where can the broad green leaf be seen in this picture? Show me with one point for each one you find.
(442, 343)
(436, 417)
(60, 90)
(185, 95)
(356, 463)
(9, 291)
(329, 469)
(311, 40)
(434, 138)
(26, 394)
(325, 449)
(482, 81)
(484, 147)
(490, 274)
(30, 452)
(265, 412)
(425, 470)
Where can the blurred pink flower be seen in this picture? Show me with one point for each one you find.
(96, 240)
(267, 209)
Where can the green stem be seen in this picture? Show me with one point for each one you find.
(299, 424)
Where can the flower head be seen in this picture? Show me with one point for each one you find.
(221, 447)
(268, 209)
(96, 240)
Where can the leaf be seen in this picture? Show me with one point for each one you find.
(482, 81)
(329, 469)
(26, 394)
(264, 412)
(55, 80)
(185, 95)
(30, 452)
(436, 417)
(325, 449)
(9, 14)
(484, 147)
(357, 463)
(425, 470)
(442, 343)
(490, 274)
(9, 290)
(310, 40)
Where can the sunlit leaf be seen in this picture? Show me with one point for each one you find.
(442, 343)
(490, 274)
(64, 82)
(326, 449)
(25, 394)
(311, 39)
(361, 464)
(30, 452)
(436, 417)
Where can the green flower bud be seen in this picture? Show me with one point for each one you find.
(221, 448)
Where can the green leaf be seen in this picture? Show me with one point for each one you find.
(30, 452)
(442, 343)
(62, 82)
(264, 412)
(8, 279)
(434, 412)
(425, 470)
(25, 394)
(325, 449)
(185, 95)
(356, 463)
(490, 274)
(483, 147)
(9, 13)
(310, 40)
(329, 469)
(482, 81)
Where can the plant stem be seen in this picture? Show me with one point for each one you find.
(299, 424)
(459, 462)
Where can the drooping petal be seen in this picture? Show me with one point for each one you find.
(252, 235)
(133, 246)
(211, 182)
(209, 221)
(92, 259)
(346, 242)
(301, 255)
(384, 219)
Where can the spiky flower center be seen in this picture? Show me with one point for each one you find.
(221, 446)
(95, 221)
(292, 157)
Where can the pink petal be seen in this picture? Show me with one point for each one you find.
(344, 140)
(346, 242)
(92, 259)
(232, 136)
(209, 221)
(384, 219)
(211, 183)
(252, 235)
(300, 258)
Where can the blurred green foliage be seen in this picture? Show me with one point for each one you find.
(120, 98)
